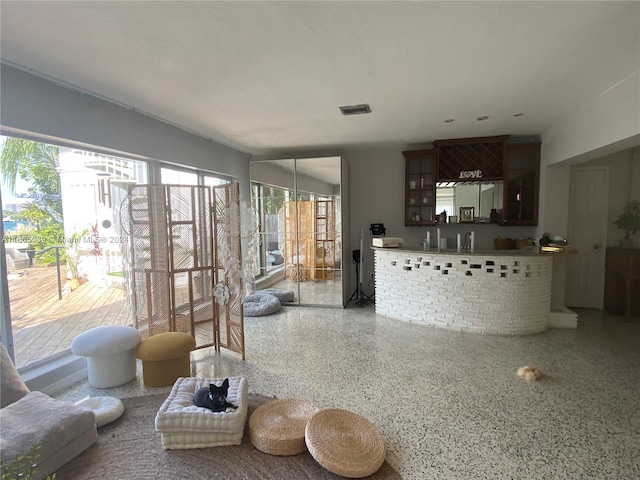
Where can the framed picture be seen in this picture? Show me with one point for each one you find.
(467, 214)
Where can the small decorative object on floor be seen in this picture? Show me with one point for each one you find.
(530, 374)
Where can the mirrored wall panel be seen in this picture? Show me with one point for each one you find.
(298, 202)
(483, 197)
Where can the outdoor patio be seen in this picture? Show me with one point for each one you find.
(44, 325)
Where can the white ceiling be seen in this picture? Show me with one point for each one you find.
(267, 77)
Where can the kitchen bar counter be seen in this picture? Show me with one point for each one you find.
(452, 251)
(504, 292)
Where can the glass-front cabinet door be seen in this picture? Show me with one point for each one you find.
(521, 184)
(420, 193)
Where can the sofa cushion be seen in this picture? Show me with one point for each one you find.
(12, 388)
(37, 419)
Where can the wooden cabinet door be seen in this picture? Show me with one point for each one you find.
(622, 281)
(521, 184)
(420, 191)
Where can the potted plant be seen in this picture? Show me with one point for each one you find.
(70, 256)
(629, 221)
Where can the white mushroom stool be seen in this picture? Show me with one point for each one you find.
(110, 352)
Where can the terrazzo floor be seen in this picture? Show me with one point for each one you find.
(450, 405)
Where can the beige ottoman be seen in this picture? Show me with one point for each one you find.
(165, 357)
(277, 427)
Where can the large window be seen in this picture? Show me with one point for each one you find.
(184, 176)
(65, 211)
(64, 243)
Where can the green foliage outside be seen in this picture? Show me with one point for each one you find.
(69, 255)
(273, 198)
(37, 162)
(38, 239)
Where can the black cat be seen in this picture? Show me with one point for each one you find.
(214, 398)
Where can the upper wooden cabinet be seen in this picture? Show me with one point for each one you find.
(521, 184)
(474, 160)
(470, 159)
(420, 187)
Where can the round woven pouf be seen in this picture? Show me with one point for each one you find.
(278, 427)
(345, 443)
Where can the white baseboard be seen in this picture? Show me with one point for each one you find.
(562, 317)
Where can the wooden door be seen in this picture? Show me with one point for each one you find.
(587, 234)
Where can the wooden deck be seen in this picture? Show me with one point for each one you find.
(44, 325)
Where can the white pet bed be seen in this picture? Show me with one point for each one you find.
(259, 304)
(283, 295)
(106, 409)
(183, 425)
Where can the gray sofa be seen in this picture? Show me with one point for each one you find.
(60, 430)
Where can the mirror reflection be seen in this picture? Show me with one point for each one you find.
(298, 202)
(483, 196)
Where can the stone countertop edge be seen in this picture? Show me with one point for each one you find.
(524, 252)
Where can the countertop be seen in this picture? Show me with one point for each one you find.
(523, 252)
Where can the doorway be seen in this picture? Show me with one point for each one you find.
(587, 229)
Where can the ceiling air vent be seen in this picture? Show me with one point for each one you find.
(355, 109)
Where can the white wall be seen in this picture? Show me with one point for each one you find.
(608, 124)
(609, 119)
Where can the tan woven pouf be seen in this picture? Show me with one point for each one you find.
(277, 427)
(345, 443)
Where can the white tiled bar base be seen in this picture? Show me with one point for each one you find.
(469, 292)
